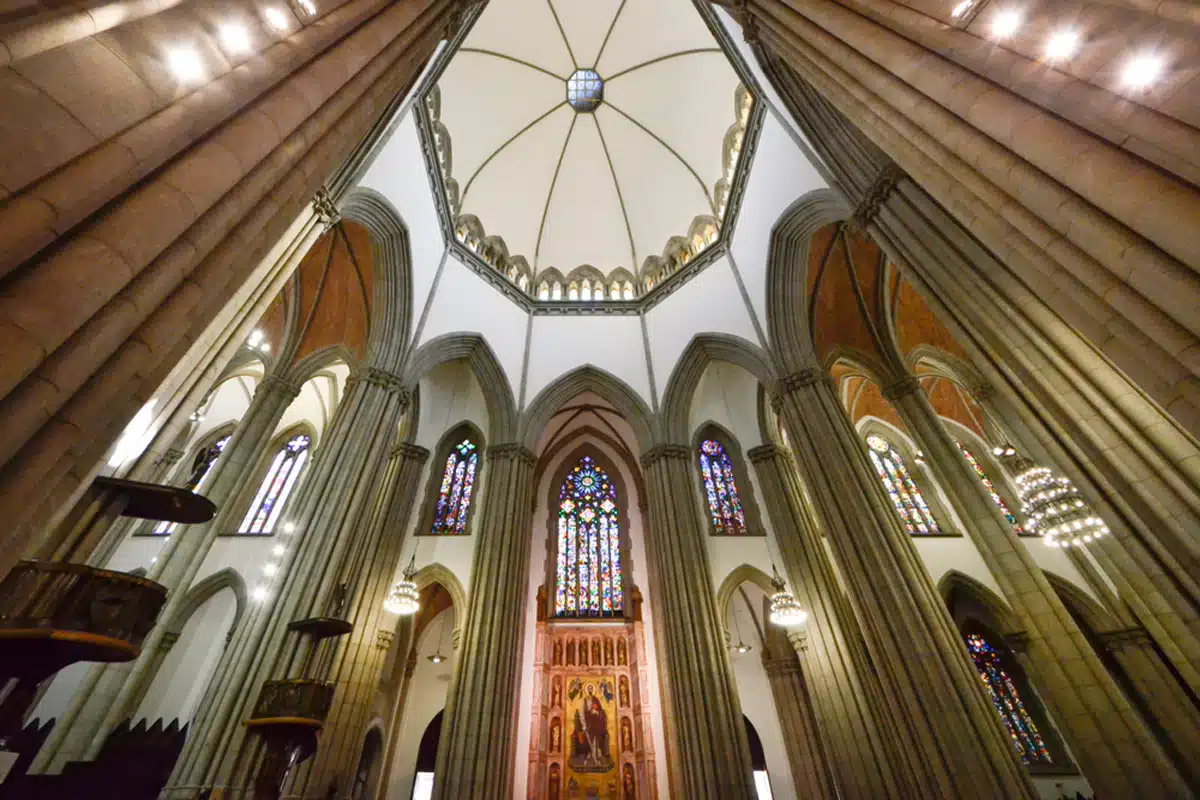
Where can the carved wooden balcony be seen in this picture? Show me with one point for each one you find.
(299, 702)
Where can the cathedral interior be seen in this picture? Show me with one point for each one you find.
(599, 400)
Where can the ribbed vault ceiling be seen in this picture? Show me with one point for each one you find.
(605, 188)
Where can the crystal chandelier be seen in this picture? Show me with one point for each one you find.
(1055, 509)
(785, 611)
(404, 598)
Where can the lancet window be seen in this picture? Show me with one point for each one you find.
(588, 569)
(1007, 700)
(277, 486)
(454, 495)
(996, 498)
(907, 498)
(720, 489)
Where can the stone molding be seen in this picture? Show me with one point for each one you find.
(410, 450)
(876, 195)
(901, 388)
(513, 450)
(389, 381)
(780, 666)
(1124, 638)
(763, 453)
(383, 639)
(1017, 641)
(325, 208)
(665, 451)
(275, 383)
(172, 456)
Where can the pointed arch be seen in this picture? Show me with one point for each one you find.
(589, 537)
(318, 361)
(596, 381)
(966, 597)
(917, 499)
(703, 350)
(391, 305)
(745, 573)
(1082, 606)
(443, 576)
(260, 490)
(484, 365)
(198, 595)
(455, 473)
(723, 478)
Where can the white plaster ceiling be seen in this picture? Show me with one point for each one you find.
(606, 188)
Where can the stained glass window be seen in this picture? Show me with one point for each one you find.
(914, 512)
(588, 575)
(996, 498)
(277, 486)
(1016, 719)
(585, 90)
(720, 490)
(454, 495)
(201, 467)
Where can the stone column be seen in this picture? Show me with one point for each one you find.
(331, 553)
(1115, 751)
(861, 757)
(958, 745)
(807, 752)
(359, 663)
(708, 754)
(478, 746)
(106, 695)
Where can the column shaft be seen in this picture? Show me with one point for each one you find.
(708, 754)
(807, 753)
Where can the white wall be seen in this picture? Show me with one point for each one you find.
(612, 343)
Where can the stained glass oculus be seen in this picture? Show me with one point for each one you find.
(914, 511)
(1018, 723)
(585, 90)
(454, 495)
(720, 490)
(588, 569)
(276, 486)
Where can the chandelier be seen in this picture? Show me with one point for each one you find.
(404, 598)
(785, 611)
(1055, 509)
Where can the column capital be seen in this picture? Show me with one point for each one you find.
(277, 383)
(876, 195)
(664, 451)
(1017, 641)
(410, 450)
(325, 208)
(513, 450)
(745, 19)
(172, 455)
(383, 638)
(798, 380)
(901, 388)
(1124, 638)
(168, 641)
(763, 453)
(389, 381)
(776, 666)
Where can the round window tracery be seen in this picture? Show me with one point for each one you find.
(585, 90)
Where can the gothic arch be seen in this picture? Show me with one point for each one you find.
(246, 494)
(736, 577)
(392, 301)
(489, 374)
(787, 273)
(745, 486)
(1080, 604)
(596, 381)
(981, 603)
(199, 594)
(448, 440)
(308, 367)
(934, 494)
(702, 350)
(443, 576)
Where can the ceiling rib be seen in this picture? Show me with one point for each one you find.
(694, 51)
(514, 59)
(608, 33)
(550, 194)
(712, 206)
(496, 152)
(633, 264)
(563, 33)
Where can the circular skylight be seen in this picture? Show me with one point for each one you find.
(585, 90)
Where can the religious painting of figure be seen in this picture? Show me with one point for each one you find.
(556, 735)
(622, 655)
(626, 736)
(571, 653)
(595, 652)
(628, 787)
(592, 721)
(624, 692)
(558, 653)
(583, 653)
(608, 652)
(556, 692)
(555, 792)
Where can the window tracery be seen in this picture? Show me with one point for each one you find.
(720, 489)
(1007, 700)
(996, 498)
(277, 486)
(454, 495)
(588, 566)
(905, 495)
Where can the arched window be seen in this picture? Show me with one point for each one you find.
(588, 579)
(276, 486)
(202, 465)
(720, 490)
(454, 496)
(983, 478)
(1016, 719)
(900, 486)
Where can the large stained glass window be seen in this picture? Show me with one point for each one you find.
(201, 468)
(1016, 719)
(996, 498)
(720, 490)
(277, 486)
(914, 511)
(588, 579)
(454, 495)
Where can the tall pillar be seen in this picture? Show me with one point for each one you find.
(833, 658)
(960, 748)
(1116, 752)
(106, 695)
(479, 734)
(329, 567)
(708, 754)
(807, 753)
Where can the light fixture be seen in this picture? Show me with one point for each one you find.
(404, 598)
(278, 550)
(1141, 71)
(1053, 506)
(436, 657)
(308, 7)
(185, 62)
(785, 611)
(961, 9)
(1003, 450)
(270, 569)
(276, 19)
(741, 648)
(1062, 45)
(1006, 23)
(257, 340)
(235, 38)
(289, 527)
(259, 593)
(919, 457)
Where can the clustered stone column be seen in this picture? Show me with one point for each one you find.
(708, 754)
(1117, 753)
(334, 564)
(958, 746)
(106, 695)
(833, 656)
(793, 704)
(478, 746)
